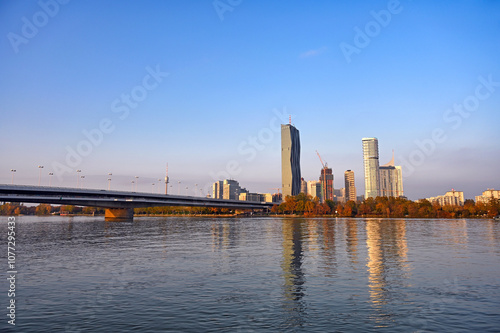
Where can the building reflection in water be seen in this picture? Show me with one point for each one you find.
(293, 275)
(224, 235)
(387, 261)
(328, 247)
(310, 238)
(352, 241)
(456, 230)
(493, 234)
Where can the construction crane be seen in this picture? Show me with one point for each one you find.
(276, 188)
(325, 165)
(323, 181)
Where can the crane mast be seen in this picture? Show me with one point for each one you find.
(323, 178)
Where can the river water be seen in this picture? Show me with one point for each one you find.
(175, 274)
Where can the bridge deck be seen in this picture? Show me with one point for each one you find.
(114, 199)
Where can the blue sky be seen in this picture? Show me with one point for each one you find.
(227, 73)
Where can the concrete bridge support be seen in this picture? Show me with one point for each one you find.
(119, 214)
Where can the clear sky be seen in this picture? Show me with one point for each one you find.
(204, 85)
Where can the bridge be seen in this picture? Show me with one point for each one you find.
(119, 205)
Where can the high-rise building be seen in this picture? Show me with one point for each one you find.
(350, 189)
(314, 189)
(326, 180)
(371, 166)
(290, 160)
(217, 190)
(391, 180)
(231, 189)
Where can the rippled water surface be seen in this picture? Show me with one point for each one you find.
(254, 275)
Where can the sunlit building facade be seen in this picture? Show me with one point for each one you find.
(371, 167)
(488, 195)
(350, 189)
(257, 197)
(218, 189)
(231, 189)
(391, 180)
(450, 198)
(314, 189)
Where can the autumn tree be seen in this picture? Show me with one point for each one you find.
(43, 209)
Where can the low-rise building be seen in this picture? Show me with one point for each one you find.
(450, 198)
(246, 196)
(339, 195)
(488, 195)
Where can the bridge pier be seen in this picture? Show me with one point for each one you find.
(119, 214)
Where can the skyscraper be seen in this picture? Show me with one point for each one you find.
(391, 179)
(326, 180)
(350, 189)
(290, 160)
(371, 166)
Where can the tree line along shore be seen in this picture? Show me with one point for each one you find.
(301, 205)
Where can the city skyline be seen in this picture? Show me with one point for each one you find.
(126, 88)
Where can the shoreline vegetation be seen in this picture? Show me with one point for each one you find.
(294, 206)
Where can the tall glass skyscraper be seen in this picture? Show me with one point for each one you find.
(371, 164)
(290, 160)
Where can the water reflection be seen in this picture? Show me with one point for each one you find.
(387, 262)
(224, 236)
(258, 275)
(293, 275)
(492, 235)
(352, 241)
(329, 247)
(457, 231)
(311, 238)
